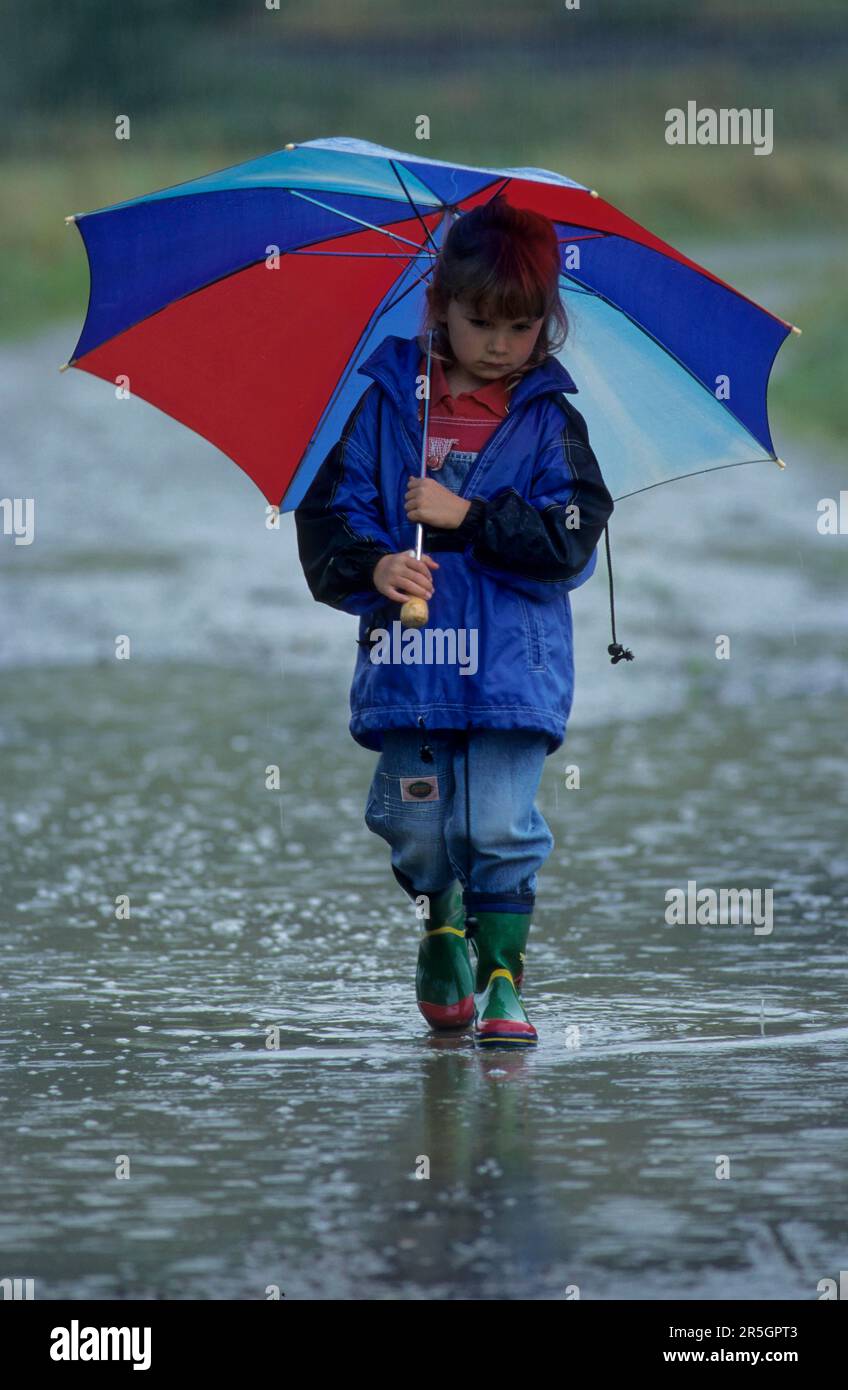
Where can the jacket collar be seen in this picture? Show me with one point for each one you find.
(394, 364)
(491, 394)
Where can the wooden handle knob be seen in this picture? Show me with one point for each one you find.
(414, 612)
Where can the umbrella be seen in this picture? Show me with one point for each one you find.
(214, 297)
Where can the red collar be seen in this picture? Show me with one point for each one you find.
(494, 395)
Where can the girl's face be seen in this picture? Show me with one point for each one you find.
(489, 348)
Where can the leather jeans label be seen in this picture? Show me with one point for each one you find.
(419, 788)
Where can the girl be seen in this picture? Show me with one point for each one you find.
(464, 711)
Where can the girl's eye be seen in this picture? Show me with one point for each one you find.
(481, 323)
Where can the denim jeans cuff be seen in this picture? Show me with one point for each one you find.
(498, 902)
(411, 891)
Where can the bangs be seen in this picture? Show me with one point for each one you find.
(512, 297)
(503, 291)
(503, 263)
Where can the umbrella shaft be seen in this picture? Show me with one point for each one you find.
(419, 529)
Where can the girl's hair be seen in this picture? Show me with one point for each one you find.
(504, 261)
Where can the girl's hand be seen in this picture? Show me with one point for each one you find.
(430, 502)
(401, 576)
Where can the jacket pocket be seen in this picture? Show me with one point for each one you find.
(535, 641)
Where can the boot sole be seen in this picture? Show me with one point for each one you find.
(443, 1016)
(502, 1031)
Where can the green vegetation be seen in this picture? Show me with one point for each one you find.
(811, 394)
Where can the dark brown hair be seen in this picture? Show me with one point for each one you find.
(505, 262)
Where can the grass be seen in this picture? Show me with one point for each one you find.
(812, 394)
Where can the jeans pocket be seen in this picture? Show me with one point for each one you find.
(411, 815)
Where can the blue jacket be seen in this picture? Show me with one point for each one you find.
(505, 573)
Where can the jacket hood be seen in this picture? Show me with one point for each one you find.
(394, 364)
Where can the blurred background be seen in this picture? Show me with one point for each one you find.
(590, 1165)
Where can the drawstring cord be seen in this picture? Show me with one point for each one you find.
(425, 750)
(615, 649)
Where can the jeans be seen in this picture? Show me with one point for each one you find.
(493, 843)
(454, 469)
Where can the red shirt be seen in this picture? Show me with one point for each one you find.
(459, 426)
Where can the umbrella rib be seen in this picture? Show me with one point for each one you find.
(414, 208)
(380, 255)
(350, 218)
(407, 291)
(716, 468)
(497, 190)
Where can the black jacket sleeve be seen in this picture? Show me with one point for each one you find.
(341, 530)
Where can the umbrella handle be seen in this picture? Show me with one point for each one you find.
(415, 612)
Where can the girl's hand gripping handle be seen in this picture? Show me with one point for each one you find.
(406, 580)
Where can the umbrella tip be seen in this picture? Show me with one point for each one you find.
(290, 146)
(795, 328)
(780, 463)
(65, 365)
(72, 218)
(593, 193)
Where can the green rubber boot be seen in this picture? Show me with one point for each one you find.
(499, 941)
(444, 980)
